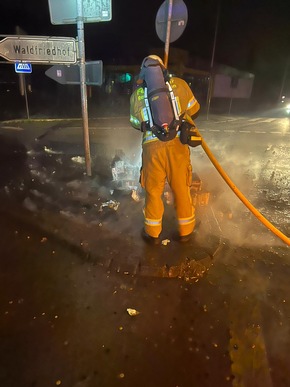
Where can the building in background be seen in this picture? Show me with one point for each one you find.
(230, 92)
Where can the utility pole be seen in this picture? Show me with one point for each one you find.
(210, 81)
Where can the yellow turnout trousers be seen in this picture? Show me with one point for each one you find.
(160, 161)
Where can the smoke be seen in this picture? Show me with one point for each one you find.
(261, 172)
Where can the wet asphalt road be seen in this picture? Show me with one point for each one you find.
(64, 299)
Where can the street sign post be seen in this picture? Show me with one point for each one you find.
(70, 75)
(178, 20)
(80, 12)
(39, 49)
(171, 20)
(66, 12)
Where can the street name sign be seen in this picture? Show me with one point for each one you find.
(70, 75)
(39, 49)
(23, 68)
(65, 11)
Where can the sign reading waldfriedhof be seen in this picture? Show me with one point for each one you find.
(70, 75)
(23, 68)
(65, 11)
(39, 49)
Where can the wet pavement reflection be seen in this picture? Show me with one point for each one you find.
(85, 302)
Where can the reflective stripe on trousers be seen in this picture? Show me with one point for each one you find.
(169, 161)
(152, 222)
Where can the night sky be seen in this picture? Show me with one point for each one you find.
(253, 35)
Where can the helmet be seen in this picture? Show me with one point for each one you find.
(152, 60)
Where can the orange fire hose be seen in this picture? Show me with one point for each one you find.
(257, 214)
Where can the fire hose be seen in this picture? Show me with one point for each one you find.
(239, 194)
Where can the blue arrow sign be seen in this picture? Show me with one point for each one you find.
(23, 67)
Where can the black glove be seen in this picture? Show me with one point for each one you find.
(144, 126)
(189, 135)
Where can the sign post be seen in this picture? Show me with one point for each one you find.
(84, 97)
(80, 12)
(22, 77)
(22, 69)
(171, 20)
(168, 29)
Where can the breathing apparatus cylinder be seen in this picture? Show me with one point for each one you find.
(162, 116)
(157, 91)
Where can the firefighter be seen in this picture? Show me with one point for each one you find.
(163, 108)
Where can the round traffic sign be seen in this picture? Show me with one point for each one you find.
(178, 20)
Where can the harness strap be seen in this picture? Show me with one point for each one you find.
(173, 104)
(148, 108)
(173, 101)
(160, 90)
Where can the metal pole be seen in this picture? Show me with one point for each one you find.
(23, 91)
(26, 98)
(230, 107)
(84, 98)
(210, 83)
(168, 30)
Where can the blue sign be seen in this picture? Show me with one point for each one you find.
(23, 67)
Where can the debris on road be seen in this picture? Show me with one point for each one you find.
(112, 204)
(132, 312)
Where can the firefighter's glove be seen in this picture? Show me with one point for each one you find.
(189, 135)
(144, 126)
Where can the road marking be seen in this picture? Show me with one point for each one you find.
(214, 130)
(254, 119)
(244, 131)
(229, 120)
(257, 131)
(229, 131)
(275, 132)
(11, 128)
(269, 120)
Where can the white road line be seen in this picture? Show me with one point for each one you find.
(229, 131)
(11, 128)
(229, 120)
(254, 119)
(269, 120)
(276, 132)
(244, 131)
(258, 131)
(214, 130)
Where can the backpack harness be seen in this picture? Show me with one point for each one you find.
(165, 131)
